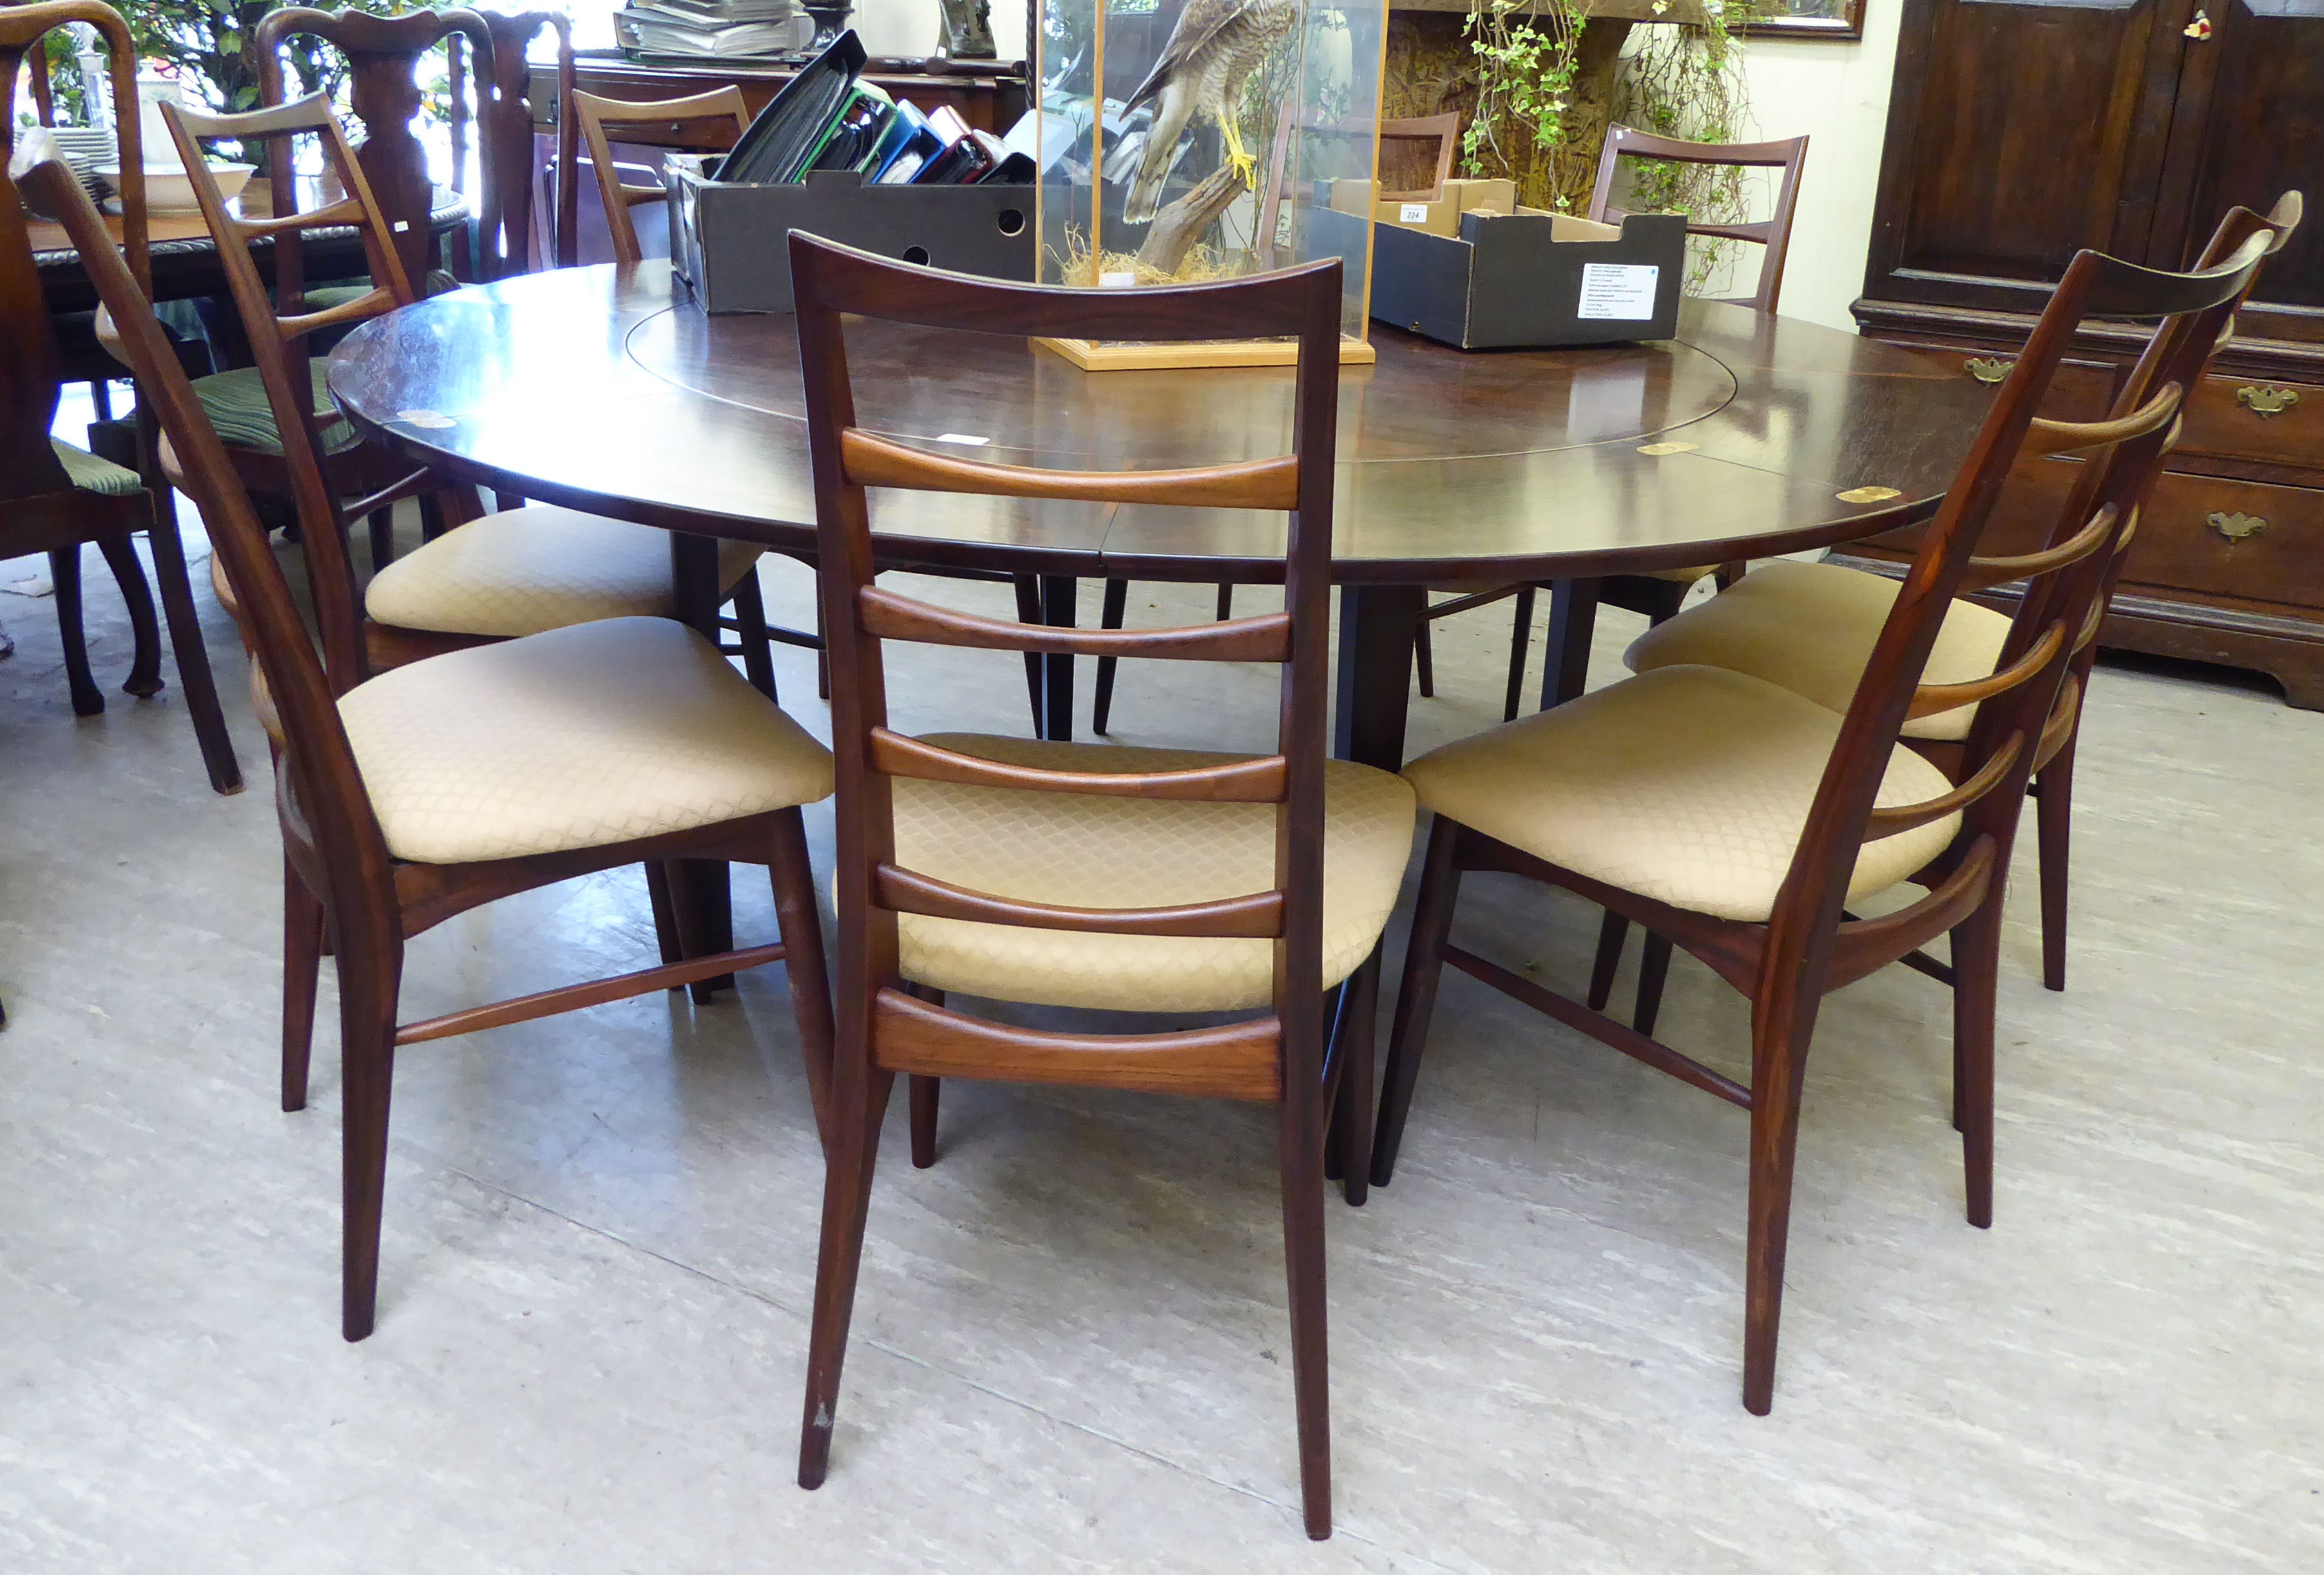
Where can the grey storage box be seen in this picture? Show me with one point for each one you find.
(728, 241)
(1532, 280)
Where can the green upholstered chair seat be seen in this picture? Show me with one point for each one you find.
(323, 297)
(235, 403)
(91, 474)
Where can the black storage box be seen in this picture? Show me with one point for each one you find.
(729, 242)
(1531, 280)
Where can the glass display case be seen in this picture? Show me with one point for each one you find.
(1207, 140)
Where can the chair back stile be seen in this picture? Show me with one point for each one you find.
(322, 783)
(383, 54)
(829, 281)
(285, 372)
(2056, 620)
(29, 361)
(505, 237)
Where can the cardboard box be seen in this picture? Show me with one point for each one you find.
(1497, 195)
(729, 242)
(1532, 280)
(1440, 217)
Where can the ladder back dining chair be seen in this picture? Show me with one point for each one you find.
(1090, 876)
(495, 576)
(56, 498)
(1745, 823)
(1810, 628)
(418, 795)
(718, 117)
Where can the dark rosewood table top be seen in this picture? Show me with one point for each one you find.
(595, 388)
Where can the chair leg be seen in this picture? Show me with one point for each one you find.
(1612, 930)
(1416, 995)
(2053, 813)
(750, 634)
(1299, 1142)
(1976, 965)
(1029, 611)
(194, 676)
(1424, 658)
(665, 913)
(1348, 1147)
(923, 1093)
(799, 919)
(1654, 967)
(380, 525)
(146, 665)
(433, 519)
(368, 981)
(64, 574)
(1521, 637)
(302, 959)
(1226, 603)
(1116, 608)
(1572, 620)
(859, 1093)
(1780, 1026)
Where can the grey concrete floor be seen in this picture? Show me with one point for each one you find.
(1070, 1345)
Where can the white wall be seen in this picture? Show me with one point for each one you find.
(911, 27)
(1836, 95)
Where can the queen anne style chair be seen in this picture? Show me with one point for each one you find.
(1573, 603)
(1811, 627)
(1744, 822)
(1090, 876)
(499, 576)
(506, 242)
(414, 796)
(55, 498)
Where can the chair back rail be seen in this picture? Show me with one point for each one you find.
(506, 240)
(2065, 584)
(830, 282)
(275, 334)
(30, 360)
(1774, 232)
(383, 55)
(721, 108)
(321, 781)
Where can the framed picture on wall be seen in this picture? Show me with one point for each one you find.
(1807, 19)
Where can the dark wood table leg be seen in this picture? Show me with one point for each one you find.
(1572, 620)
(700, 887)
(1378, 625)
(1060, 594)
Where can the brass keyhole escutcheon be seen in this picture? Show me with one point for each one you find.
(2236, 527)
(2264, 402)
(1987, 368)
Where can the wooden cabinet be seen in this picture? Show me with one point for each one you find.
(2019, 132)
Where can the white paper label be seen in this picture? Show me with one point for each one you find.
(1415, 213)
(1124, 280)
(974, 442)
(1621, 291)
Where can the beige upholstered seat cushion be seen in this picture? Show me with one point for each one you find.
(1084, 852)
(1690, 785)
(1687, 576)
(1811, 628)
(536, 568)
(574, 739)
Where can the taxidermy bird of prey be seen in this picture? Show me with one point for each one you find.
(1212, 52)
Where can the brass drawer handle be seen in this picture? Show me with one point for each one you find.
(2235, 527)
(2265, 402)
(1987, 368)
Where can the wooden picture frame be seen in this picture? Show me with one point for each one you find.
(1806, 19)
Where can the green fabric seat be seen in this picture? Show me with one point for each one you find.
(235, 403)
(91, 474)
(323, 297)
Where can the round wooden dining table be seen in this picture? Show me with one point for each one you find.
(607, 389)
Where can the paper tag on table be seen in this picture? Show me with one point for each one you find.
(1617, 291)
(1124, 280)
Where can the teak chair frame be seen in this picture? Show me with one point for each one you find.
(1573, 603)
(40, 509)
(886, 1024)
(1810, 945)
(341, 881)
(593, 115)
